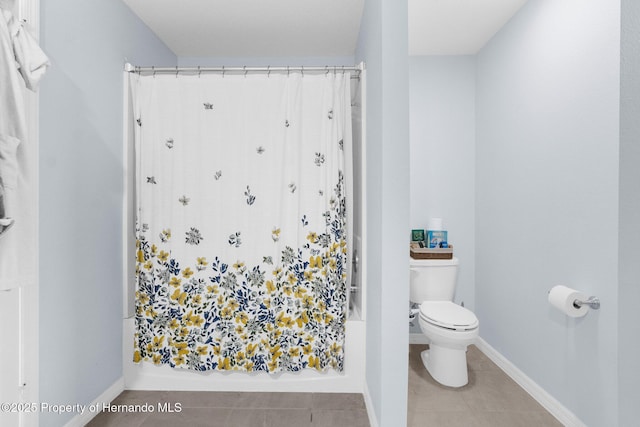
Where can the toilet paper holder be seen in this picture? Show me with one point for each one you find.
(592, 302)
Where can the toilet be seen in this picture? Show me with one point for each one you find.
(449, 327)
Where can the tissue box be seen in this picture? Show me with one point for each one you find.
(437, 239)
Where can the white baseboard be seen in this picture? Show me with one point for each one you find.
(550, 403)
(371, 413)
(95, 407)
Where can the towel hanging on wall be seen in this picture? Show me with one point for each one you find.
(22, 64)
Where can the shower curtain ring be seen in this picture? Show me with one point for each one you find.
(326, 67)
(268, 70)
(245, 71)
(176, 71)
(153, 69)
(199, 71)
(223, 71)
(287, 71)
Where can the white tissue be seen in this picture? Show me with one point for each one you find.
(563, 299)
(434, 224)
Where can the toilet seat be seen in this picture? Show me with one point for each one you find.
(448, 315)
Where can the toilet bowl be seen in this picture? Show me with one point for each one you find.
(449, 328)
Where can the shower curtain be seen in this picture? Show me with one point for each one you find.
(241, 220)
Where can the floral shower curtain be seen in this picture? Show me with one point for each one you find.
(241, 227)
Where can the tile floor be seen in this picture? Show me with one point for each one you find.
(491, 399)
(235, 409)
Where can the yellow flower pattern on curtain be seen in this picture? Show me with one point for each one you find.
(241, 228)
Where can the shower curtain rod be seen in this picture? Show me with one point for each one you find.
(357, 69)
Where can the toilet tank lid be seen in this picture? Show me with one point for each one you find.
(433, 262)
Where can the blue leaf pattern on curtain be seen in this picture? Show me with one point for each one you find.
(259, 281)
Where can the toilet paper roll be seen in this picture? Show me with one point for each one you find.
(563, 299)
(434, 224)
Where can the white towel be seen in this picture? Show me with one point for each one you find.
(31, 60)
(17, 244)
(7, 4)
(5, 222)
(12, 127)
(11, 98)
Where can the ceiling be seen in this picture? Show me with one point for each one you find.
(456, 27)
(253, 28)
(289, 28)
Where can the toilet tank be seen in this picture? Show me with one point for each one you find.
(433, 279)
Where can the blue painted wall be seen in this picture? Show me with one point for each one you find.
(548, 101)
(81, 194)
(629, 246)
(382, 45)
(312, 61)
(443, 144)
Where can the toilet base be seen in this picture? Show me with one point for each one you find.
(448, 366)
